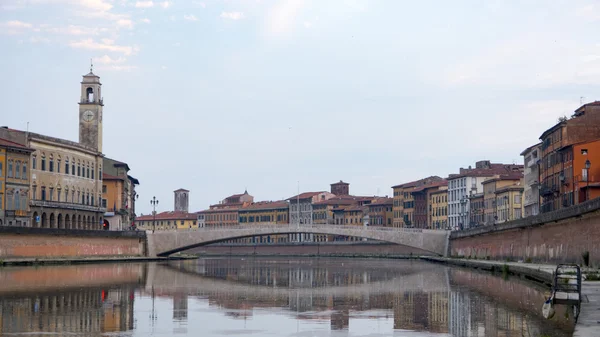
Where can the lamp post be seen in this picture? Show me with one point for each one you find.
(154, 202)
(588, 164)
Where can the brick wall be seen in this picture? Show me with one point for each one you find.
(48, 243)
(555, 237)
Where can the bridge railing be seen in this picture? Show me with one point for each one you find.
(293, 227)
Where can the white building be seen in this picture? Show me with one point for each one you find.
(468, 182)
(531, 192)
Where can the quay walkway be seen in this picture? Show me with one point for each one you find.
(588, 323)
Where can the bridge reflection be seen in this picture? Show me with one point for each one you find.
(99, 300)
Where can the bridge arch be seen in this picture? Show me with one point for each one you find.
(165, 243)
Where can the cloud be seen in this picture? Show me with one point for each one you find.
(190, 17)
(37, 39)
(109, 60)
(125, 23)
(17, 24)
(144, 4)
(282, 16)
(145, 20)
(232, 15)
(165, 4)
(75, 30)
(105, 45)
(308, 24)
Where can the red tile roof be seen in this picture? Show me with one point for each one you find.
(305, 195)
(432, 185)
(8, 143)
(382, 202)
(262, 205)
(220, 210)
(487, 172)
(341, 200)
(417, 182)
(168, 216)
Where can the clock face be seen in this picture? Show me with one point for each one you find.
(88, 115)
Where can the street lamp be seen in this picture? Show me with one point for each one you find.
(154, 202)
(588, 164)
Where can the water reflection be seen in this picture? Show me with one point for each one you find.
(282, 297)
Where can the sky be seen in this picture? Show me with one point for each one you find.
(226, 95)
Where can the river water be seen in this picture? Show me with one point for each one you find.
(272, 297)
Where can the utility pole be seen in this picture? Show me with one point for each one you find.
(154, 202)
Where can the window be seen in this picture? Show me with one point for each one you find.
(51, 193)
(23, 174)
(517, 199)
(51, 164)
(34, 162)
(10, 169)
(43, 162)
(66, 195)
(73, 168)
(1, 175)
(103, 188)
(78, 169)
(58, 193)
(43, 193)
(92, 171)
(88, 171)
(67, 166)
(100, 172)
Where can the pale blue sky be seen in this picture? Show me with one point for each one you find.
(217, 96)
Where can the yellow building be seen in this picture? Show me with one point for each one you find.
(168, 221)
(404, 203)
(509, 201)
(265, 213)
(14, 184)
(118, 195)
(380, 212)
(490, 186)
(438, 208)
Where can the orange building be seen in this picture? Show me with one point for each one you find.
(380, 212)
(587, 178)
(404, 202)
(559, 169)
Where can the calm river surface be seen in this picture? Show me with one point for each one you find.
(271, 297)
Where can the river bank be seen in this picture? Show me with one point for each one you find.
(588, 323)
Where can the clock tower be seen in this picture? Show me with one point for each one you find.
(90, 112)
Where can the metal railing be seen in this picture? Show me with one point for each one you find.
(67, 205)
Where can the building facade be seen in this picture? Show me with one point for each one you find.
(225, 213)
(509, 201)
(14, 184)
(438, 212)
(491, 188)
(118, 195)
(340, 188)
(301, 211)
(531, 191)
(380, 212)
(476, 210)
(167, 221)
(404, 203)
(66, 176)
(467, 182)
(557, 174)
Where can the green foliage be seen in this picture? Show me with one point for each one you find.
(528, 260)
(592, 277)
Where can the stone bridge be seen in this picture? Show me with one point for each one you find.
(425, 241)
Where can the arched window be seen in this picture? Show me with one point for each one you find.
(17, 202)
(34, 162)
(66, 193)
(89, 92)
(51, 163)
(43, 193)
(24, 173)
(99, 172)
(10, 168)
(78, 168)
(58, 163)
(73, 166)
(58, 192)
(43, 162)
(67, 165)
(88, 171)
(92, 171)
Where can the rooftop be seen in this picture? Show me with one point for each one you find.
(110, 177)
(181, 190)
(340, 183)
(305, 195)
(169, 215)
(262, 205)
(418, 182)
(9, 144)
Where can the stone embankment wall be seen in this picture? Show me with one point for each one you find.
(556, 237)
(22, 242)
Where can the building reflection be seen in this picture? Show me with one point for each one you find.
(90, 312)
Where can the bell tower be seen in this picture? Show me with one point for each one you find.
(90, 111)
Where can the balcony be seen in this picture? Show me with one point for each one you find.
(66, 205)
(547, 190)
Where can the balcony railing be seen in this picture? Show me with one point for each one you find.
(66, 205)
(548, 189)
